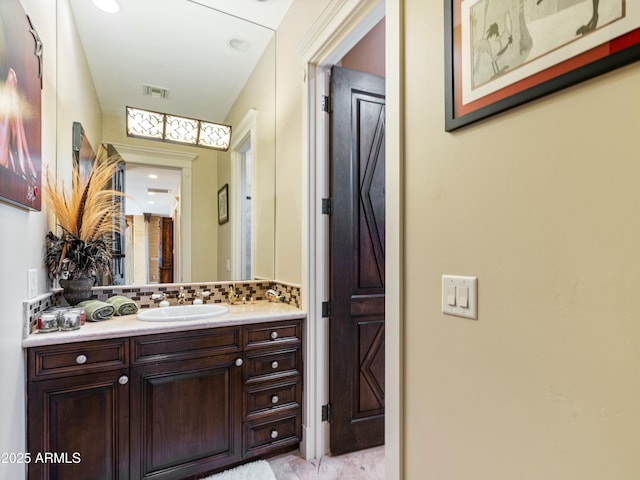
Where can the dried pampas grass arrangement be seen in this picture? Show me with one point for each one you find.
(88, 214)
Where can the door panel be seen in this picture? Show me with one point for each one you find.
(95, 444)
(356, 385)
(186, 418)
(166, 250)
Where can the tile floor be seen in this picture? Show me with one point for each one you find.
(363, 465)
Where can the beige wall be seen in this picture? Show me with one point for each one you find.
(289, 125)
(21, 249)
(541, 203)
(204, 217)
(77, 99)
(259, 95)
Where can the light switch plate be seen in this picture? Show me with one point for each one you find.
(32, 283)
(463, 285)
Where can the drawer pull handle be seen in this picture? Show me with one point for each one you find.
(81, 359)
(274, 434)
(274, 365)
(239, 362)
(123, 380)
(275, 399)
(274, 335)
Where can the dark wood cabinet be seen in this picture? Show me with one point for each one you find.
(77, 422)
(272, 394)
(164, 406)
(186, 403)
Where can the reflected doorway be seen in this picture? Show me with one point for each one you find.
(244, 161)
(244, 203)
(152, 224)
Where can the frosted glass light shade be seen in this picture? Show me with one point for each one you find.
(171, 128)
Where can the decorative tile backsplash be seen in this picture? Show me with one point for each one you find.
(249, 290)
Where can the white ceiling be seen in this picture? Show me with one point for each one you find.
(137, 183)
(179, 45)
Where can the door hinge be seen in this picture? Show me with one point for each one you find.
(326, 104)
(327, 206)
(327, 413)
(326, 309)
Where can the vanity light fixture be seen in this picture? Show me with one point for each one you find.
(174, 129)
(108, 6)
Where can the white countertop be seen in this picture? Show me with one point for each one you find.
(128, 325)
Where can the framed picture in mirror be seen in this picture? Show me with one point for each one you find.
(83, 154)
(223, 204)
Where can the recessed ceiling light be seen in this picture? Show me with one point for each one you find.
(151, 193)
(239, 44)
(152, 175)
(109, 6)
(151, 202)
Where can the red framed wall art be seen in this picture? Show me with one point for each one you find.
(503, 53)
(20, 107)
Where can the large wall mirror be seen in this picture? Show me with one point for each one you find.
(201, 59)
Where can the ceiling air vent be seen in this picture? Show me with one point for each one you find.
(157, 190)
(155, 92)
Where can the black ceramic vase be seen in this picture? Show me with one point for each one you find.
(77, 290)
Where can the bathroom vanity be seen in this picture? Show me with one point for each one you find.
(170, 400)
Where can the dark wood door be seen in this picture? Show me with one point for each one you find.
(119, 223)
(166, 250)
(186, 417)
(78, 427)
(356, 385)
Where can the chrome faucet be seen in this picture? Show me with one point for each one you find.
(272, 295)
(162, 297)
(182, 296)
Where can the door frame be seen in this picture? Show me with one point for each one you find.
(245, 131)
(339, 28)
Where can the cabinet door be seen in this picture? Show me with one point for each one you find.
(185, 417)
(78, 427)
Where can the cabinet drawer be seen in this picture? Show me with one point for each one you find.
(264, 436)
(279, 396)
(271, 365)
(77, 358)
(272, 334)
(183, 345)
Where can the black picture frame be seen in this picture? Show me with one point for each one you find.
(82, 153)
(615, 52)
(223, 204)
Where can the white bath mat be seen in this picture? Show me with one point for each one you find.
(259, 470)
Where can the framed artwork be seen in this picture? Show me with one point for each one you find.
(223, 204)
(502, 53)
(20, 108)
(82, 151)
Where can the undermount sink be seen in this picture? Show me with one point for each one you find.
(181, 313)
